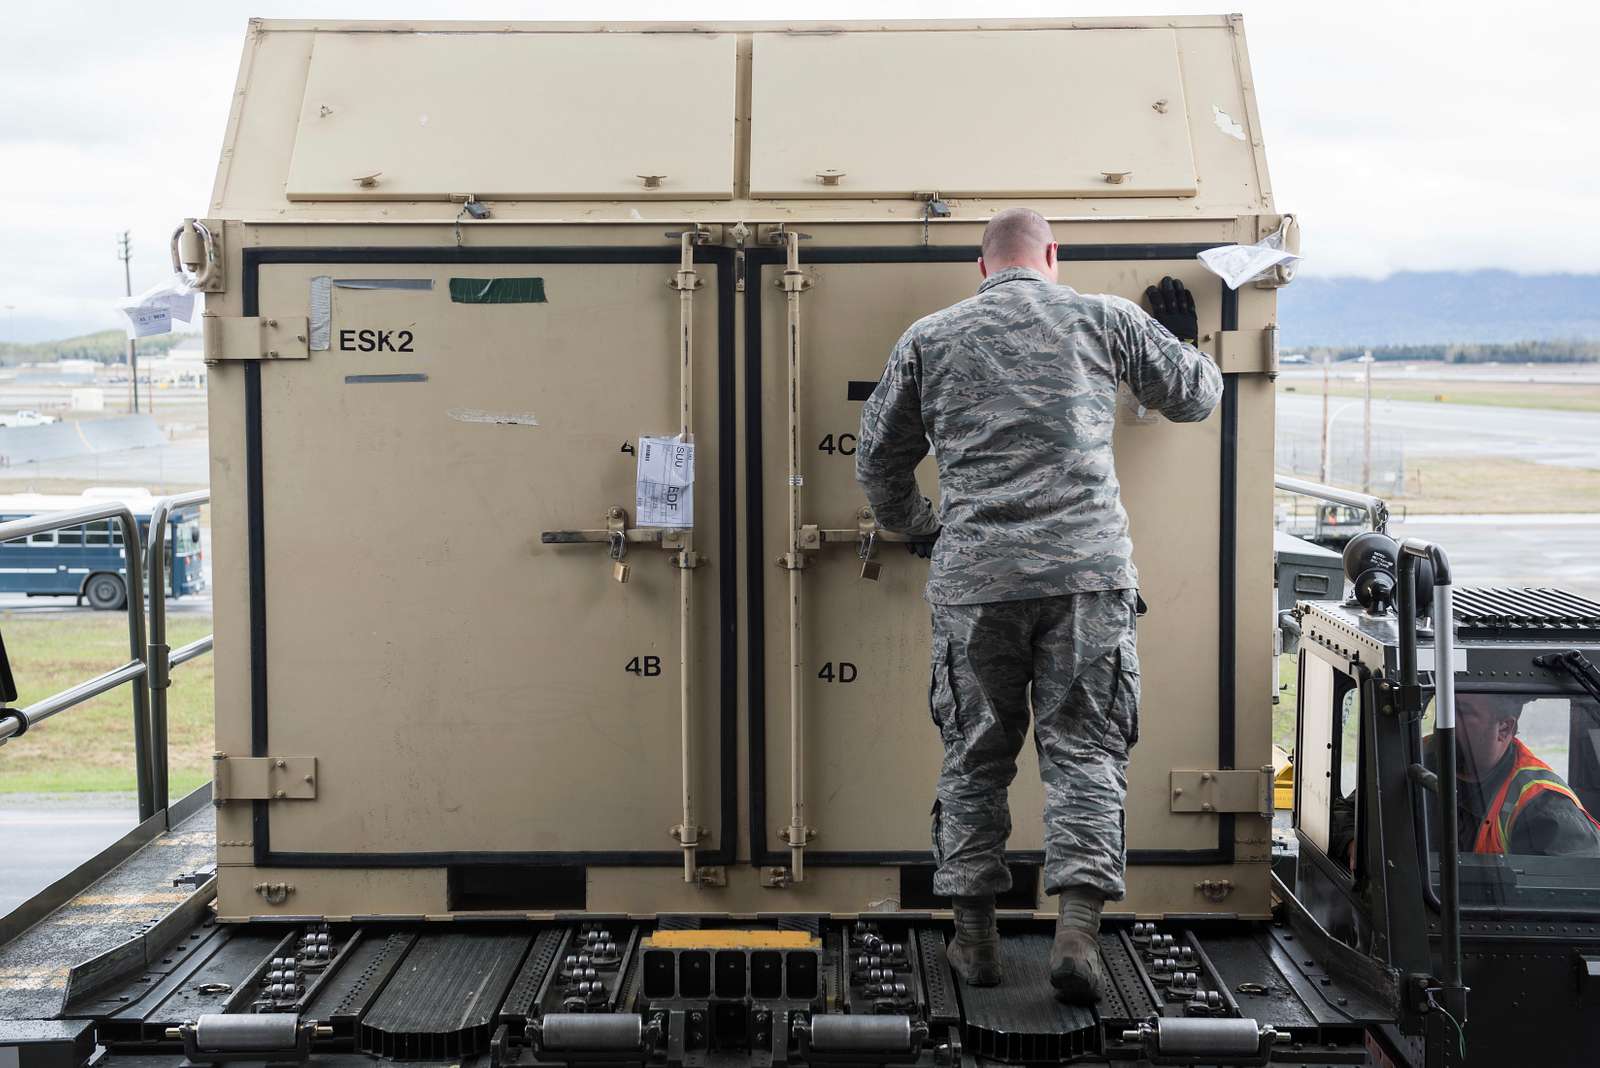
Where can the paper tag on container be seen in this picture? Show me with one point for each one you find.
(147, 321)
(1238, 264)
(153, 311)
(665, 484)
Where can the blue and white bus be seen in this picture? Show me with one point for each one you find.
(89, 562)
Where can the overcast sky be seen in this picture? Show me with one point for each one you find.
(1423, 135)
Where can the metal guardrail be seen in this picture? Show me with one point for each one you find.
(1376, 508)
(158, 655)
(150, 662)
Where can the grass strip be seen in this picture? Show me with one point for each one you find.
(90, 747)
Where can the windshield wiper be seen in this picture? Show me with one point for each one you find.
(1574, 663)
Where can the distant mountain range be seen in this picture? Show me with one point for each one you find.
(1423, 307)
(106, 346)
(1406, 308)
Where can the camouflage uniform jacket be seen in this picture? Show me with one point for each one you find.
(1016, 391)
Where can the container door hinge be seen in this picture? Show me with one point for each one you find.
(1243, 790)
(253, 337)
(263, 778)
(1248, 352)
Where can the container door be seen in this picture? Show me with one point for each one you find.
(870, 754)
(470, 690)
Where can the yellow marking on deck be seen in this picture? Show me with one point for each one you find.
(52, 977)
(732, 939)
(150, 897)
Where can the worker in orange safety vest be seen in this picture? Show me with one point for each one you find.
(1508, 800)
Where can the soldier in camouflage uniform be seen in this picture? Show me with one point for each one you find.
(1032, 583)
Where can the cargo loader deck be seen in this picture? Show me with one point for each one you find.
(169, 985)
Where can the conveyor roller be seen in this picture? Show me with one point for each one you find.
(266, 1036)
(1220, 1040)
(591, 1032)
(862, 1034)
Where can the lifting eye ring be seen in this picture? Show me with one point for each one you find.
(209, 264)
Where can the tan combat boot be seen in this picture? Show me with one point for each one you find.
(1075, 969)
(975, 951)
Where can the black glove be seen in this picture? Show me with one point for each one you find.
(924, 547)
(1172, 306)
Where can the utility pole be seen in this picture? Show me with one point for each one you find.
(125, 254)
(1366, 429)
(1327, 465)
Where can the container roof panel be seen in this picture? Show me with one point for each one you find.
(526, 116)
(393, 121)
(1036, 113)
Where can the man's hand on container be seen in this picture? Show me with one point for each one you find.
(922, 547)
(1172, 305)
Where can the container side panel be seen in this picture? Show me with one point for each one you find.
(1223, 123)
(226, 392)
(254, 167)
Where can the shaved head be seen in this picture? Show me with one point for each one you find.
(1018, 237)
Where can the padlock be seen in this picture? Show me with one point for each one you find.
(618, 548)
(870, 568)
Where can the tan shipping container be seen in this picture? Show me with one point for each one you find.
(460, 269)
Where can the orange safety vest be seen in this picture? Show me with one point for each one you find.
(1529, 778)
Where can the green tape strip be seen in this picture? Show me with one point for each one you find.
(497, 290)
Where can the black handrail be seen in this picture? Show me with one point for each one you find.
(1444, 689)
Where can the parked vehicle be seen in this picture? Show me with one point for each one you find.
(26, 417)
(89, 562)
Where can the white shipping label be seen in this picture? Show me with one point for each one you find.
(153, 311)
(666, 461)
(665, 484)
(1238, 264)
(146, 321)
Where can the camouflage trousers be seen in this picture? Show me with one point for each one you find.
(1076, 655)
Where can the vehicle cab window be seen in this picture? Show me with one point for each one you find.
(1327, 756)
(1528, 788)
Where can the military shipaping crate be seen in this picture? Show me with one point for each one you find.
(455, 272)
